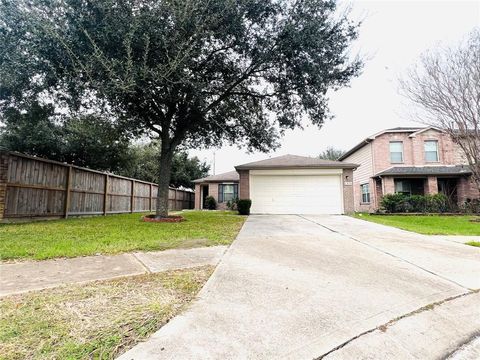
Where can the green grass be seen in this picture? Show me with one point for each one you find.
(428, 224)
(115, 234)
(473, 243)
(100, 320)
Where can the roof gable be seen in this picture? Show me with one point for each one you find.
(426, 129)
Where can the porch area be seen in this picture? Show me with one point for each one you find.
(454, 182)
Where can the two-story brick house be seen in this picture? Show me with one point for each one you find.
(411, 161)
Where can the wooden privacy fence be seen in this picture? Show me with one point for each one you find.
(34, 187)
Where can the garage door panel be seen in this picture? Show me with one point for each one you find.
(316, 194)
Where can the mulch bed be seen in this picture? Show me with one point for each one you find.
(168, 219)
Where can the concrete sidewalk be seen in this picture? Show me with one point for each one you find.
(16, 278)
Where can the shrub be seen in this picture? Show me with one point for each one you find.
(418, 203)
(393, 202)
(471, 206)
(437, 203)
(232, 204)
(400, 203)
(210, 203)
(243, 206)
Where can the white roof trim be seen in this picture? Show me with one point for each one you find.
(425, 129)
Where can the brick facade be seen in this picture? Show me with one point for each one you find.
(348, 205)
(244, 188)
(431, 185)
(212, 191)
(467, 189)
(413, 150)
(198, 197)
(374, 157)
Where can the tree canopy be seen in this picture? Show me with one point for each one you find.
(92, 142)
(331, 153)
(145, 166)
(190, 73)
(445, 87)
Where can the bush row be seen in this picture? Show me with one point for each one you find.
(400, 203)
(243, 205)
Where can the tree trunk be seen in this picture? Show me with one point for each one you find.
(166, 157)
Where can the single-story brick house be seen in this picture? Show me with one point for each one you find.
(286, 184)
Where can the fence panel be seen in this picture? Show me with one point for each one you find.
(35, 187)
(86, 192)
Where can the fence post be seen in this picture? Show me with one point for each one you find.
(105, 195)
(132, 197)
(150, 198)
(67, 192)
(3, 182)
(175, 199)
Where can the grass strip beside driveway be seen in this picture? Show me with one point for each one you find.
(100, 320)
(428, 224)
(115, 234)
(473, 243)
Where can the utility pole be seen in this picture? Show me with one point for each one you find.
(214, 162)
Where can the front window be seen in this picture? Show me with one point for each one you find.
(227, 192)
(409, 186)
(396, 151)
(365, 193)
(431, 151)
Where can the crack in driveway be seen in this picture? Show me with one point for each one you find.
(386, 253)
(428, 307)
(385, 326)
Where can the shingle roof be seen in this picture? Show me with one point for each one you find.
(407, 129)
(228, 176)
(426, 170)
(295, 161)
(372, 137)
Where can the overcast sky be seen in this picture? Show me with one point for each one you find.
(392, 36)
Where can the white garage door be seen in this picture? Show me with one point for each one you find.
(296, 194)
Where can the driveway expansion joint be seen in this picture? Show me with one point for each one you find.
(387, 253)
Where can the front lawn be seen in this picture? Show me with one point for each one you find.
(428, 224)
(115, 234)
(100, 320)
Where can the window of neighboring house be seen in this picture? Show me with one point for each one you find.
(403, 187)
(227, 192)
(396, 151)
(365, 193)
(431, 151)
(409, 186)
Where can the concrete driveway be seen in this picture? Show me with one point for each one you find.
(304, 287)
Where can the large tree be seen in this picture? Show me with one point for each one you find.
(331, 153)
(445, 86)
(188, 72)
(144, 165)
(92, 142)
(87, 140)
